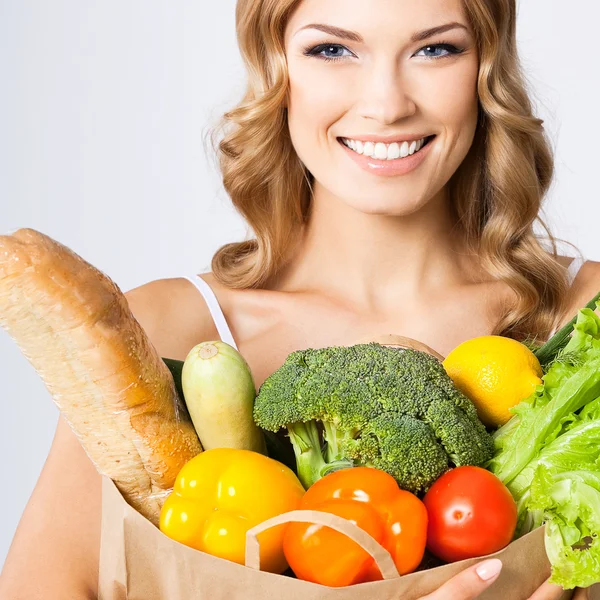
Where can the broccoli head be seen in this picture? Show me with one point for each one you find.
(393, 409)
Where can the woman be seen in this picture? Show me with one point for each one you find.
(386, 157)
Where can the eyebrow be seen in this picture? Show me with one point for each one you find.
(356, 37)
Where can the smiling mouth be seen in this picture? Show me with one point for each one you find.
(385, 152)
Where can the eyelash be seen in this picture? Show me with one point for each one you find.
(316, 50)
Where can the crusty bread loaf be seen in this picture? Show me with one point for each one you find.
(74, 325)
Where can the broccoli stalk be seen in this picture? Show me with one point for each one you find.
(313, 460)
(307, 448)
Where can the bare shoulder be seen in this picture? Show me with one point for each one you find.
(585, 286)
(173, 314)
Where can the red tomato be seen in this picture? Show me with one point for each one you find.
(471, 513)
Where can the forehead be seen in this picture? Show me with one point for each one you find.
(377, 18)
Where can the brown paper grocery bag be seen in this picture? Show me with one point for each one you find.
(139, 562)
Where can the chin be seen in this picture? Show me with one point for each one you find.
(395, 205)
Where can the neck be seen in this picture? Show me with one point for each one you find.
(374, 261)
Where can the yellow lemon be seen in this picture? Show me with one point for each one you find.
(496, 373)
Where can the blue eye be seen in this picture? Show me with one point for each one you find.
(449, 50)
(334, 50)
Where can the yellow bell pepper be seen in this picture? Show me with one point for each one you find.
(222, 493)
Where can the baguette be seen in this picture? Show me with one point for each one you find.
(75, 327)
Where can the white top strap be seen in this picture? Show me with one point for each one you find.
(572, 271)
(214, 308)
(574, 267)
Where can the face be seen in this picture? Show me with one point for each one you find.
(383, 82)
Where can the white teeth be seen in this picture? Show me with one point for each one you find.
(393, 151)
(381, 151)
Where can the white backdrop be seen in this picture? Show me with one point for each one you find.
(103, 109)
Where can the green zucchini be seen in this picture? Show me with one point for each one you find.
(219, 393)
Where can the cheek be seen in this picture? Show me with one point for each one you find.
(453, 98)
(316, 101)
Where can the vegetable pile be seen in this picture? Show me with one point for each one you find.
(382, 436)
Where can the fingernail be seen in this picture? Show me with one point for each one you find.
(488, 569)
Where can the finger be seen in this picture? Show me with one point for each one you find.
(581, 594)
(468, 584)
(549, 591)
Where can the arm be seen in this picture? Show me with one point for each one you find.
(58, 537)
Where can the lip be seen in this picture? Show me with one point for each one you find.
(387, 139)
(389, 168)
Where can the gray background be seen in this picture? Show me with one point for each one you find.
(103, 109)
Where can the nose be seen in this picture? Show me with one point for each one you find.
(386, 96)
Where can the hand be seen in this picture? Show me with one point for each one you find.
(550, 591)
(471, 582)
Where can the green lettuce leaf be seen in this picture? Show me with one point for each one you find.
(542, 420)
(576, 449)
(570, 502)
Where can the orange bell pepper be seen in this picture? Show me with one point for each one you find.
(221, 493)
(372, 500)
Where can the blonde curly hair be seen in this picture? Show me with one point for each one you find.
(496, 192)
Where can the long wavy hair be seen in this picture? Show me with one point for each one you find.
(496, 192)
